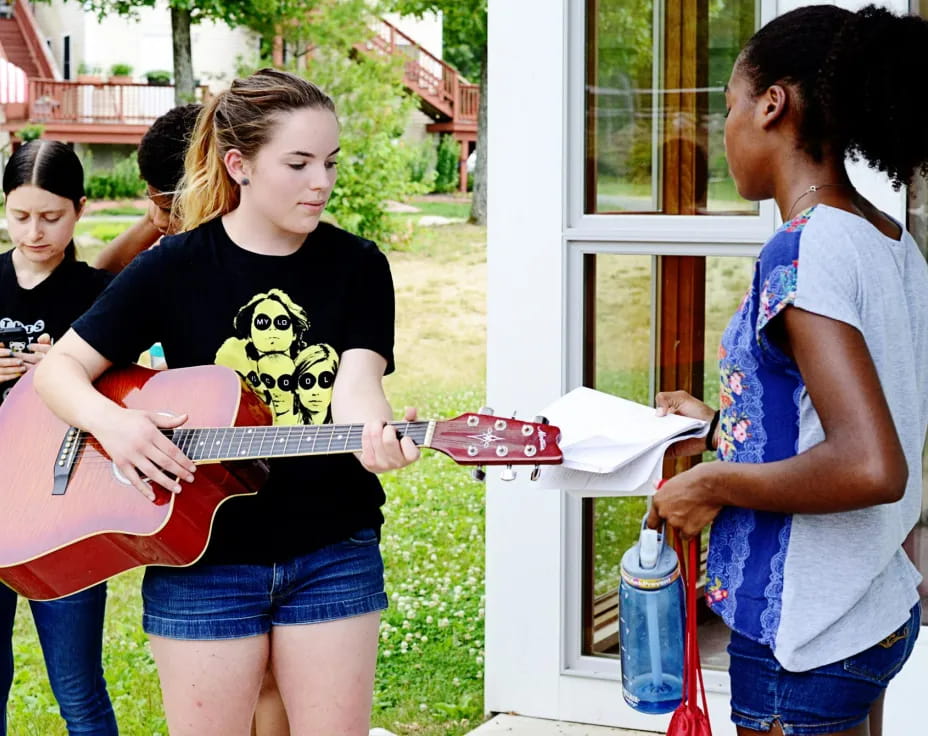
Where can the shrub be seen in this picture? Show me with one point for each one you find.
(121, 70)
(421, 161)
(122, 182)
(447, 176)
(158, 77)
(30, 132)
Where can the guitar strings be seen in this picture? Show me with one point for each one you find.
(325, 434)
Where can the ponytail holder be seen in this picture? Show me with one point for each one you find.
(710, 437)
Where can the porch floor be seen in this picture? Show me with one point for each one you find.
(507, 725)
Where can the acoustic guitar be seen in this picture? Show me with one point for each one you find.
(69, 519)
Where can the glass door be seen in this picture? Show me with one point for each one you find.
(654, 112)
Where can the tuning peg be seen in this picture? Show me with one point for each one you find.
(486, 410)
(538, 419)
(508, 473)
(478, 474)
(536, 473)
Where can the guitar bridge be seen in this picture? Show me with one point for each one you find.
(64, 460)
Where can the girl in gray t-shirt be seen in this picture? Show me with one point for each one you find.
(824, 381)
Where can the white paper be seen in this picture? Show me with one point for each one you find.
(612, 446)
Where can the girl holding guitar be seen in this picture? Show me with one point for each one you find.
(43, 288)
(293, 574)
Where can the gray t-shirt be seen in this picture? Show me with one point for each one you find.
(821, 587)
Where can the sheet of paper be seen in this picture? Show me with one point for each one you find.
(600, 432)
(636, 478)
(611, 446)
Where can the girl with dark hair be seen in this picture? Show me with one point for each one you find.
(43, 288)
(824, 381)
(293, 575)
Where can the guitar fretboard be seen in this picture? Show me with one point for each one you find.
(249, 443)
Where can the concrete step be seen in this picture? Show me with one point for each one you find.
(509, 725)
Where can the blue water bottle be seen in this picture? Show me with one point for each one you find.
(651, 625)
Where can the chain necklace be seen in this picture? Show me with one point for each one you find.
(810, 190)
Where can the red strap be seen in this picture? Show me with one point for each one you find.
(692, 669)
(692, 666)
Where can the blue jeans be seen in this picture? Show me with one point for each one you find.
(834, 697)
(71, 633)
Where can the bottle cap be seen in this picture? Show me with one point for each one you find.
(649, 548)
(650, 564)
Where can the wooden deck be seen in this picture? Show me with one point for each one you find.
(91, 112)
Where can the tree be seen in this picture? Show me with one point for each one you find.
(464, 32)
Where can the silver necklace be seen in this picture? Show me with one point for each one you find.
(810, 190)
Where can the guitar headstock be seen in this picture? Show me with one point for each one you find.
(484, 439)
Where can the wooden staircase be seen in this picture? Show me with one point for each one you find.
(22, 45)
(14, 48)
(444, 95)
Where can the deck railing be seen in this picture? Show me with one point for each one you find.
(54, 101)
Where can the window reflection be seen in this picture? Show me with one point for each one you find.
(655, 76)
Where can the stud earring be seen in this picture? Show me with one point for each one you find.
(245, 181)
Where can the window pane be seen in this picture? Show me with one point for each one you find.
(623, 335)
(621, 69)
(618, 360)
(655, 118)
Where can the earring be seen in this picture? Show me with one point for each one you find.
(245, 181)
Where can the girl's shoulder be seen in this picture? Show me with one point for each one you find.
(334, 236)
(92, 275)
(199, 234)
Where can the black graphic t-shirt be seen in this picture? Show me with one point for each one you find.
(281, 322)
(51, 305)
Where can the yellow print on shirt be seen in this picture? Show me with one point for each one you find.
(272, 353)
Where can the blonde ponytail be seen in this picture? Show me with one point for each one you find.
(206, 189)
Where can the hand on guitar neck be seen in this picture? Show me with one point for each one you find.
(382, 449)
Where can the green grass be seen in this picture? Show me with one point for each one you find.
(119, 210)
(103, 230)
(456, 209)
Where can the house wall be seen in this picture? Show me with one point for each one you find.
(426, 31)
(56, 19)
(144, 42)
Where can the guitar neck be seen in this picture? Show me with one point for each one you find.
(220, 444)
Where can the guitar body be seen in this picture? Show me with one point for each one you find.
(55, 545)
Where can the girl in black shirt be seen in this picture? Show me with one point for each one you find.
(43, 288)
(292, 575)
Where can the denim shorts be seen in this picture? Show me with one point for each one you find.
(233, 601)
(835, 697)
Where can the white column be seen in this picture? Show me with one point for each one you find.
(527, 72)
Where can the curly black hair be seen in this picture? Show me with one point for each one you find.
(162, 150)
(855, 77)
